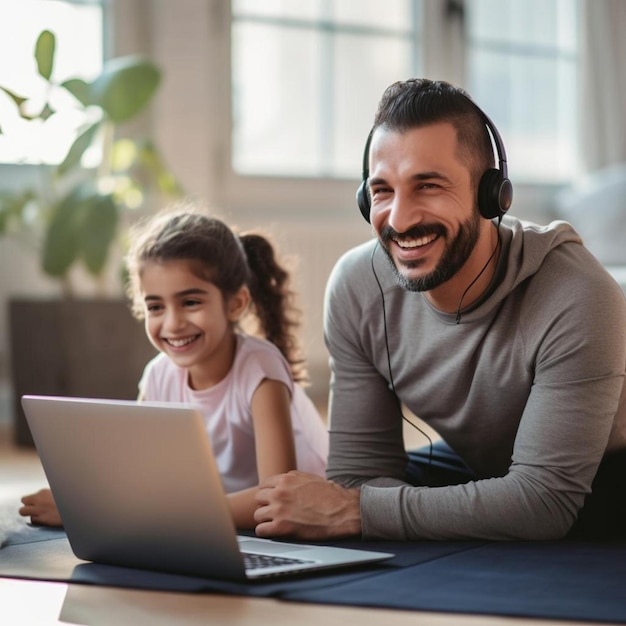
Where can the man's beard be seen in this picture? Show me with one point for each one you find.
(455, 254)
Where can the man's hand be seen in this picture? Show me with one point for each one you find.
(307, 507)
(41, 508)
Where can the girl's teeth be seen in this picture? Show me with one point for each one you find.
(179, 343)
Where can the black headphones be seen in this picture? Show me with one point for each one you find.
(495, 191)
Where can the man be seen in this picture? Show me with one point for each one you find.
(507, 338)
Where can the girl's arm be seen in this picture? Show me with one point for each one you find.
(274, 445)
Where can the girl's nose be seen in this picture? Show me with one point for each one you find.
(174, 320)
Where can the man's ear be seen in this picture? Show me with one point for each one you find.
(237, 304)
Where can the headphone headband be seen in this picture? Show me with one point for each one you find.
(497, 140)
(495, 191)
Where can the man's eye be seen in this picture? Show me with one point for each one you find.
(377, 191)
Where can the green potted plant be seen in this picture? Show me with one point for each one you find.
(72, 213)
(72, 216)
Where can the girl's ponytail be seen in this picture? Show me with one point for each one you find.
(274, 301)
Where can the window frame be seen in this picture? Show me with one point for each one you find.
(247, 195)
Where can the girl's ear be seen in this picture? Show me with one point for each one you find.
(237, 304)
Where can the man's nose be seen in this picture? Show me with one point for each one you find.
(404, 213)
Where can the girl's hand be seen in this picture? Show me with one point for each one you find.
(41, 508)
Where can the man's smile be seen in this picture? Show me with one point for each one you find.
(414, 242)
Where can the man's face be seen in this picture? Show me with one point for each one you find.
(423, 204)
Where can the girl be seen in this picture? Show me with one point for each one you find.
(195, 283)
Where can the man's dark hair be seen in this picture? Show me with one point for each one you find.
(419, 102)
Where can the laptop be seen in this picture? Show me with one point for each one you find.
(136, 485)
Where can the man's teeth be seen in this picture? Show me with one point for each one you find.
(179, 343)
(415, 243)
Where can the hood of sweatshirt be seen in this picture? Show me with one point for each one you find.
(525, 246)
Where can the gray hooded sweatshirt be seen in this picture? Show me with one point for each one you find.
(528, 389)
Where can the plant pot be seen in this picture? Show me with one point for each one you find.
(84, 348)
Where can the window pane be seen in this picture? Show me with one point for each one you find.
(368, 13)
(357, 90)
(276, 111)
(346, 12)
(78, 28)
(296, 9)
(528, 99)
(307, 77)
(538, 23)
(522, 71)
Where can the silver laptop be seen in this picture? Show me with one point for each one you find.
(136, 484)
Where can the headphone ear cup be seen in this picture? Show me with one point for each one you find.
(363, 200)
(495, 194)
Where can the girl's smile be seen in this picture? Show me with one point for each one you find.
(181, 344)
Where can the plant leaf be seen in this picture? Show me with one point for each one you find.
(44, 53)
(19, 100)
(12, 205)
(97, 231)
(19, 103)
(152, 160)
(124, 154)
(80, 89)
(125, 87)
(46, 113)
(60, 247)
(77, 149)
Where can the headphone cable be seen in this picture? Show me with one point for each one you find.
(482, 271)
(391, 380)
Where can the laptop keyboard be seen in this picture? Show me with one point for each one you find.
(253, 560)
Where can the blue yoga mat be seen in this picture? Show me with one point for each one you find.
(560, 580)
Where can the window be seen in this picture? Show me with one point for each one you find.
(78, 28)
(307, 75)
(522, 66)
(299, 67)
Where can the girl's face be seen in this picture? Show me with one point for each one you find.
(188, 319)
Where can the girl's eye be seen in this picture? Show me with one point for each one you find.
(191, 302)
(153, 308)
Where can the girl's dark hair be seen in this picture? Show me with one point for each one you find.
(218, 255)
(419, 102)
